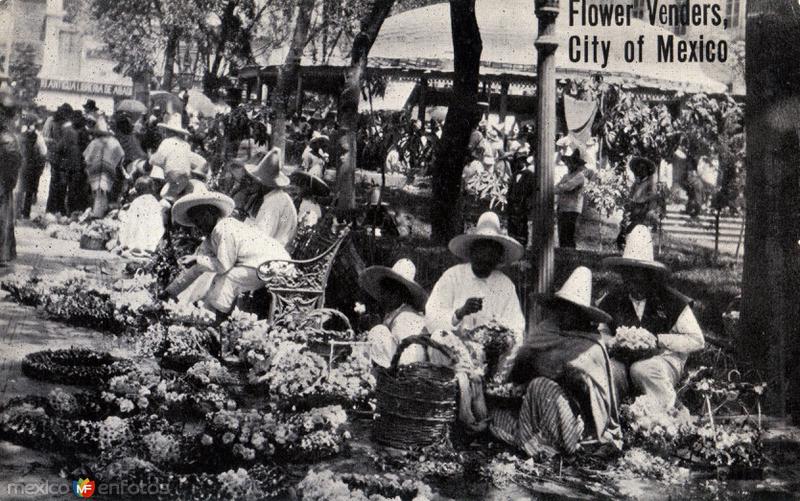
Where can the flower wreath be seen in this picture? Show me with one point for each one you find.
(78, 366)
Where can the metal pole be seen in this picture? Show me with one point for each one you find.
(543, 228)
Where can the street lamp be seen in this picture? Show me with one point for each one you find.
(543, 235)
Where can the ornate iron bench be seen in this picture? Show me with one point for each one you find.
(298, 284)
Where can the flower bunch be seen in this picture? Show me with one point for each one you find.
(184, 346)
(113, 433)
(134, 391)
(630, 344)
(258, 482)
(496, 340)
(246, 435)
(653, 426)
(62, 403)
(186, 313)
(293, 371)
(351, 382)
(163, 448)
(209, 372)
(728, 445)
(329, 486)
(638, 462)
(505, 390)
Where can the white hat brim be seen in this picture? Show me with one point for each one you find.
(174, 129)
(181, 207)
(314, 180)
(370, 280)
(461, 244)
(280, 181)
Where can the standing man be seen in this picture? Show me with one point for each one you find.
(52, 131)
(34, 156)
(570, 199)
(10, 162)
(645, 300)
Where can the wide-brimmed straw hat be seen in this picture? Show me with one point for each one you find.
(199, 166)
(200, 197)
(638, 253)
(403, 272)
(576, 292)
(174, 123)
(487, 228)
(315, 183)
(268, 171)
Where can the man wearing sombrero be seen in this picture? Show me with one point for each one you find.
(568, 377)
(312, 190)
(274, 212)
(570, 198)
(232, 250)
(175, 141)
(476, 292)
(402, 301)
(644, 300)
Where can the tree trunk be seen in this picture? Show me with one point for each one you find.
(770, 321)
(351, 96)
(287, 74)
(170, 52)
(462, 117)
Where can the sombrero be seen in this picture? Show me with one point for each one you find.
(402, 272)
(177, 171)
(174, 123)
(487, 228)
(268, 171)
(317, 185)
(201, 197)
(638, 253)
(577, 292)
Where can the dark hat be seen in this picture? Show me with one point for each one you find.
(643, 165)
(90, 105)
(575, 158)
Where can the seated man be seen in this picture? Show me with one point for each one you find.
(402, 300)
(644, 300)
(568, 376)
(232, 250)
(476, 293)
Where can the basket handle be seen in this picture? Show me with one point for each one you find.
(424, 340)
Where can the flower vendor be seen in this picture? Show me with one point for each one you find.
(175, 141)
(644, 300)
(142, 224)
(570, 198)
(476, 293)
(568, 376)
(232, 250)
(274, 212)
(402, 300)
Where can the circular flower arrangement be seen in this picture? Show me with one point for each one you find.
(631, 344)
(78, 366)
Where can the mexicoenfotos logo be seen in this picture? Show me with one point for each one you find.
(83, 488)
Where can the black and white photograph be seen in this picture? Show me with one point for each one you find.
(399, 250)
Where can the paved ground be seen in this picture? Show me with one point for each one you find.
(23, 331)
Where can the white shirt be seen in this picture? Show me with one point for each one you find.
(142, 225)
(277, 217)
(459, 283)
(233, 243)
(385, 338)
(167, 148)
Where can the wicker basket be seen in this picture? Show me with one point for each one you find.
(417, 403)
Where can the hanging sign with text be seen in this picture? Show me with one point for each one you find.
(91, 88)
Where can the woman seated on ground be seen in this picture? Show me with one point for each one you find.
(568, 378)
(402, 300)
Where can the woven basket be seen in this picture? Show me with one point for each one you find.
(416, 403)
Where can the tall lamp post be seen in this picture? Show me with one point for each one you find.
(543, 235)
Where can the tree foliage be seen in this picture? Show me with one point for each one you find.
(24, 72)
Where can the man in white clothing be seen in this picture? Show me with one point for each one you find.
(476, 293)
(232, 250)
